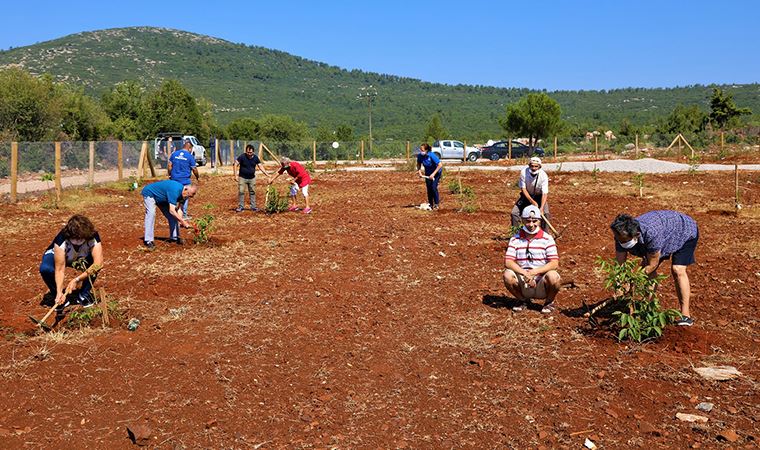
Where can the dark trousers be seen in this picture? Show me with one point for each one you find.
(432, 190)
(47, 270)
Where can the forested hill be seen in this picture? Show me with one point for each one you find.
(245, 80)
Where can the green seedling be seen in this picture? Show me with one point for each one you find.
(645, 318)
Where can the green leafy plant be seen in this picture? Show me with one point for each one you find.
(309, 167)
(275, 203)
(595, 173)
(408, 166)
(694, 164)
(204, 227)
(645, 318)
(84, 317)
(639, 180)
(52, 203)
(466, 195)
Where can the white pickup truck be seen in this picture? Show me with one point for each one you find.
(449, 149)
(162, 150)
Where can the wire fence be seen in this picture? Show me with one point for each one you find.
(36, 161)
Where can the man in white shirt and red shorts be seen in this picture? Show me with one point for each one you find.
(531, 263)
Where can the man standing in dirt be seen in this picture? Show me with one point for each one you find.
(531, 263)
(534, 190)
(166, 195)
(248, 162)
(654, 237)
(181, 165)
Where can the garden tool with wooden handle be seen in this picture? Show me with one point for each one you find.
(41, 323)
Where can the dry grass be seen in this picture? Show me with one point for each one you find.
(215, 262)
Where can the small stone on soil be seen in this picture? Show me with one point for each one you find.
(691, 418)
(705, 406)
(728, 435)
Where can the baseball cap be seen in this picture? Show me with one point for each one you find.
(535, 160)
(531, 212)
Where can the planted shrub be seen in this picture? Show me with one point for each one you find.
(645, 318)
(275, 202)
(204, 226)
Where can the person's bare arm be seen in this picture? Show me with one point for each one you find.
(174, 211)
(197, 175)
(649, 265)
(59, 257)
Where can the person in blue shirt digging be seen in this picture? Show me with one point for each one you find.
(432, 166)
(166, 195)
(181, 165)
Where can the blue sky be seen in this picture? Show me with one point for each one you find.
(548, 45)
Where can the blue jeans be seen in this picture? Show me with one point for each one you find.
(432, 190)
(47, 270)
(150, 219)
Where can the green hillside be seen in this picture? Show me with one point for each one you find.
(245, 80)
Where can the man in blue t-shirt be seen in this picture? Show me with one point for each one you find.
(181, 165)
(433, 167)
(248, 163)
(165, 195)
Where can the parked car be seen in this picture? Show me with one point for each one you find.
(449, 149)
(500, 150)
(162, 151)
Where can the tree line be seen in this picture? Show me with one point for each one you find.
(39, 109)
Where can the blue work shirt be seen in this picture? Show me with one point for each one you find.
(166, 191)
(183, 163)
(429, 161)
(662, 231)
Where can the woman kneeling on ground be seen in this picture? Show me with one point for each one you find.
(76, 245)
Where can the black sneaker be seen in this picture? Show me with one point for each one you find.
(86, 300)
(48, 300)
(150, 245)
(685, 321)
(254, 209)
(239, 209)
(178, 241)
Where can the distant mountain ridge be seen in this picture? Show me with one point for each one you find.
(243, 80)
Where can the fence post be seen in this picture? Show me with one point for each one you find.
(596, 147)
(91, 177)
(408, 152)
(555, 148)
(637, 146)
(736, 184)
(120, 159)
(58, 171)
(219, 153)
(509, 148)
(14, 172)
(232, 155)
(464, 152)
(361, 152)
(721, 140)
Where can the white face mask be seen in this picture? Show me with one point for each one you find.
(531, 232)
(630, 244)
(534, 172)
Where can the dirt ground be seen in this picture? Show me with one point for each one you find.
(372, 324)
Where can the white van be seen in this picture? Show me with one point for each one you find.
(162, 150)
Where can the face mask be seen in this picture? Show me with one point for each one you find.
(534, 172)
(629, 244)
(531, 232)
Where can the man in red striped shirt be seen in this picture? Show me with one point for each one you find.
(531, 263)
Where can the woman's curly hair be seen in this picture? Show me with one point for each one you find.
(79, 227)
